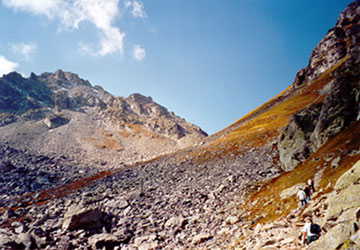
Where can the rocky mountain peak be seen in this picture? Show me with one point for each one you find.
(64, 101)
(63, 79)
(340, 41)
(13, 77)
(349, 15)
(138, 98)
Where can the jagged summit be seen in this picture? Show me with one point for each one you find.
(62, 78)
(108, 123)
(341, 41)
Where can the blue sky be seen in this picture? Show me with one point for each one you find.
(209, 61)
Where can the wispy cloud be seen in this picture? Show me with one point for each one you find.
(24, 50)
(102, 14)
(139, 53)
(7, 66)
(137, 8)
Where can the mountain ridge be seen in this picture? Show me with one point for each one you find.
(108, 123)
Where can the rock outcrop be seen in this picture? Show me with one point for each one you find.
(342, 217)
(338, 105)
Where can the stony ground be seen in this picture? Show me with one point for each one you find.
(337, 213)
(87, 138)
(160, 205)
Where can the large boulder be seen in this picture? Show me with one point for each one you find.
(82, 218)
(6, 166)
(349, 178)
(291, 191)
(342, 218)
(345, 200)
(294, 142)
(333, 239)
(54, 121)
(104, 240)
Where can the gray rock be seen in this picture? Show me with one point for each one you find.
(18, 227)
(6, 237)
(335, 163)
(175, 222)
(345, 200)
(349, 178)
(333, 239)
(40, 237)
(356, 238)
(6, 166)
(145, 240)
(232, 220)
(55, 121)
(291, 191)
(104, 240)
(200, 238)
(119, 204)
(82, 218)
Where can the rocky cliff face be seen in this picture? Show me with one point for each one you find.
(338, 104)
(96, 120)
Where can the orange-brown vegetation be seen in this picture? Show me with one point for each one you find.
(124, 133)
(104, 139)
(58, 192)
(340, 145)
(138, 130)
(266, 122)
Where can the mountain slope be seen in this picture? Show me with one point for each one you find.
(60, 113)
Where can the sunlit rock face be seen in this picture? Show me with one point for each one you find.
(338, 105)
(87, 122)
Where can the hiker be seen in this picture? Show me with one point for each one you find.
(302, 196)
(311, 183)
(310, 231)
(307, 192)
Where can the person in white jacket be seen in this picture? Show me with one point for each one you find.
(307, 235)
(302, 197)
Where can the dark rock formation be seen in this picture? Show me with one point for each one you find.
(80, 218)
(311, 127)
(54, 121)
(340, 41)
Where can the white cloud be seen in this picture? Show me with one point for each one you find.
(71, 13)
(50, 8)
(6, 66)
(102, 14)
(137, 8)
(24, 50)
(139, 53)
